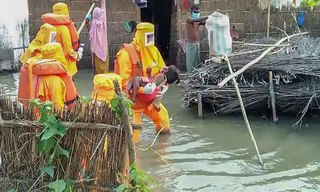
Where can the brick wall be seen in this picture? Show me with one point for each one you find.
(245, 15)
(117, 12)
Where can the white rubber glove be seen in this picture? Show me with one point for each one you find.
(80, 53)
(149, 88)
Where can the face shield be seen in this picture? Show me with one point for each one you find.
(149, 39)
(46, 34)
(52, 37)
(144, 36)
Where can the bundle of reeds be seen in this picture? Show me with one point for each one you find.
(296, 77)
(91, 158)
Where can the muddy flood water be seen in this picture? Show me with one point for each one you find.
(216, 154)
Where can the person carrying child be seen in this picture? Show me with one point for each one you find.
(152, 87)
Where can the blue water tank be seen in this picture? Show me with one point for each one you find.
(300, 19)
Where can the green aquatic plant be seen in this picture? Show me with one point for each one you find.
(115, 106)
(139, 181)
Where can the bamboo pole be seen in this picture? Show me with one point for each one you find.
(268, 21)
(243, 110)
(126, 123)
(84, 20)
(256, 60)
(262, 45)
(273, 100)
(1, 120)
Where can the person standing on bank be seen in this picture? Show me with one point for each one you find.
(193, 36)
(99, 40)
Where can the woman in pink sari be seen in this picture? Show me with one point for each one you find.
(98, 38)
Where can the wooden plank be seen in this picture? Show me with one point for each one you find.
(12, 124)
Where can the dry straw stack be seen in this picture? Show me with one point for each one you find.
(296, 77)
(88, 125)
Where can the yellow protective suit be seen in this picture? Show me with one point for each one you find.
(64, 36)
(46, 34)
(52, 88)
(103, 86)
(47, 79)
(149, 56)
(54, 51)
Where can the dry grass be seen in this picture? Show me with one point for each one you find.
(88, 124)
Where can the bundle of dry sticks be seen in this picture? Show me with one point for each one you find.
(296, 77)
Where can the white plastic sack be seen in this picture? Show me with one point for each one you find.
(220, 41)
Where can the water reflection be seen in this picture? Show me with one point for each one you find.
(216, 154)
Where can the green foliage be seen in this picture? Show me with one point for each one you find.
(115, 105)
(13, 190)
(310, 3)
(47, 170)
(49, 144)
(139, 181)
(63, 185)
(85, 99)
(51, 135)
(34, 103)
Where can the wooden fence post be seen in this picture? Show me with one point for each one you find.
(268, 20)
(200, 111)
(273, 99)
(126, 123)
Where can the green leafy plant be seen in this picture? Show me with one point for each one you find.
(63, 185)
(13, 190)
(310, 3)
(49, 144)
(85, 99)
(139, 181)
(115, 106)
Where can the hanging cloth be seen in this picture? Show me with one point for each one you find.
(141, 3)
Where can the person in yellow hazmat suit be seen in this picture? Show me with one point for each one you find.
(67, 35)
(46, 78)
(46, 34)
(133, 59)
(103, 89)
